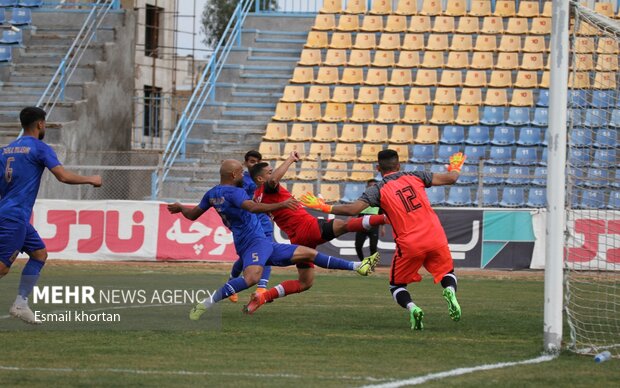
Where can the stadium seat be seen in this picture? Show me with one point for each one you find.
(289, 147)
(592, 199)
(457, 60)
(343, 94)
(348, 23)
(419, 96)
(2, 16)
(437, 42)
(318, 151)
(293, 94)
(309, 112)
(607, 62)
(427, 134)
(308, 171)
(436, 195)
(445, 96)
(432, 59)
(362, 113)
(604, 158)
(577, 98)
(300, 189)
(335, 58)
(11, 37)
(477, 135)
(361, 172)
(583, 62)
(584, 45)
(334, 113)
(423, 153)
(532, 61)
(309, 57)
(6, 53)
(580, 137)
(614, 121)
(442, 114)
(480, 8)
(330, 192)
(529, 80)
(541, 117)
(517, 26)
(388, 113)
(540, 176)
(518, 175)
(579, 157)
(606, 138)
(414, 114)
(376, 77)
(402, 150)
(352, 76)
(20, 16)
(543, 98)
(324, 22)
(585, 29)
(444, 25)
(274, 131)
(507, 61)
(529, 136)
(410, 167)
(597, 178)
(492, 115)
(431, 7)
(303, 75)
(489, 197)
(456, 8)
(408, 59)
(400, 77)
(445, 151)
(8, 3)
(492, 25)
(505, 8)
(359, 58)
(614, 200)
(341, 40)
(546, 12)
(607, 46)
(301, 132)
(345, 152)
(543, 158)
(528, 9)
(327, 76)
(518, 116)
(475, 153)
(425, 77)
(496, 97)
(369, 152)
(380, 7)
(512, 197)
(269, 150)
(396, 23)
(355, 7)
(469, 175)
(492, 175)
(509, 43)
(331, 6)
(536, 197)
(401, 134)
(318, 94)
(413, 42)
(468, 25)
(30, 3)
(503, 136)
(352, 191)
(604, 8)
(522, 97)
(459, 196)
(525, 156)
(317, 40)
(372, 23)
(540, 26)
(368, 95)
(451, 78)
(393, 95)
(365, 41)
(605, 80)
(500, 79)
(500, 155)
(335, 171)
(595, 118)
(485, 43)
(406, 7)
(326, 133)
(579, 80)
(534, 44)
(467, 115)
(420, 24)
(285, 112)
(470, 96)
(482, 60)
(384, 59)
(351, 133)
(389, 42)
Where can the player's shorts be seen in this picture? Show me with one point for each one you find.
(264, 252)
(404, 269)
(17, 237)
(313, 234)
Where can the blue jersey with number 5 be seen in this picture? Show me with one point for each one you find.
(22, 163)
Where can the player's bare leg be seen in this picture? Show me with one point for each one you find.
(30, 275)
(287, 287)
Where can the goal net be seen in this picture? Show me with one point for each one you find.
(592, 256)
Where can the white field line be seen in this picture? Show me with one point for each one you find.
(459, 372)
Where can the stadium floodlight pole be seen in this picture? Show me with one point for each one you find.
(556, 177)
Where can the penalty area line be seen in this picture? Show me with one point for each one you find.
(460, 372)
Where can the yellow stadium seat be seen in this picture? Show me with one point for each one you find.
(586, 29)
(456, 8)
(376, 77)
(400, 77)
(301, 132)
(348, 23)
(528, 9)
(534, 44)
(420, 24)
(444, 25)
(541, 26)
(345, 152)
(492, 25)
(533, 61)
(486, 43)
(309, 112)
(544, 80)
(308, 171)
(510, 43)
(369, 152)
(303, 75)
(408, 59)
(310, 57)
(365, 41)
(372, 23)
(269, 150)
(457, 60)
(607, 46)
(604, 8)
(340, 40)
(425, 77)
(389, 42)
(427, 134)
(388, 113)
(505, 8)
(413, 42)
(275, 131)
(517, 26)
(451, 78)
(327, 76)
(604, 81)
(468, 25)
(522, 97)
(355, 6)
(467, 115)
(285, 111)
(335, 171)
(431, 8)
(326, 133)
(368, 95)
(584, 45)
(445, 96)
(462, 42)
(351, 133)
(526, 80)
(384, 59)
(546, 9)
(442, 114)
(401, 134)
(419, 96)
(437, 42)
(381, 7)
(480, 8)
(501, 79)
(376, 134)
(322, 151)
(359, 58)
(471, 96)
(475, 79)
(335, 112)
(343, 94)
(352, 76)
(414, 114)
(579, 80)
(392, 95)
(293, 94)
(316, 39)
(362, 113)
(496, 97)
(300, 189)
(482, 60)
(300, 148)
(335, 58)
(432, 60)
(407, 7)
(583, 62)
(290, 174)
(402, 150)
(361, 172)
(324, 22)
(507, 61)
(606, 62)
(331, 6)
(396, 23)
(318, 94)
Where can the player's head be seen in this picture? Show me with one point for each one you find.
(371, 182)
(388, 161)
(251, 158)
(260, 173)
(32, 119)
(231, 172)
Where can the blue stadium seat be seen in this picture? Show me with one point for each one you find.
(445, 151)
(615, 118)
(8, 3)
(576, 175)
(489, 197)
(577, 98)
(543, 158)
(5, 54)
(503, 136)
(604, 158)
(469, 175)
(602, 99)
(493, 115)
(438, 168)
(529, 136)
(491, 175)
(459, 196)
(541, 117)
(546, 138)
(436, 195)
(580, 137)
(606, 138)
(475, 153)
(30, 3)
(11, 37)
(579, 157)
(595, 118)
(575, 117)
(518, 116)
(518, 175)
(614, 200)
(452, 135)
(500, 155)
(2, 16)
(616, 181)
(597, 178)
(592, 199)
(423, 153)
(540, 176)
(536, 197)
(20, 16)
(512, 197)
(410, 167)
(352, 191)
(478, 135)
(543, 98)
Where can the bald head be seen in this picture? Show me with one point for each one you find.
(231, 172)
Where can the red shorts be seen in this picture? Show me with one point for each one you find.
(308, 235)
(404, 269)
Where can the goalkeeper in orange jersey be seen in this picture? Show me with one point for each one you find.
(419, 236)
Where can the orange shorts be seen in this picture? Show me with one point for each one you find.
(404, 269)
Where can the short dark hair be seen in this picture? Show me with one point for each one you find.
(253, 154)
(30, 115)
(388, 160)
(257, 169)
(373, 180)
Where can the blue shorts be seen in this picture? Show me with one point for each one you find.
(17, 237)
(265, 252)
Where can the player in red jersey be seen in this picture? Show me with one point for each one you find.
(419, 236)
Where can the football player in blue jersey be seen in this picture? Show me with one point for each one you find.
(22, 163)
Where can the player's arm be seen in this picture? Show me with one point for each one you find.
(71, 178)
(454, 169)
(279, 172)
(188, 212)
(350, 209)
(254, 207)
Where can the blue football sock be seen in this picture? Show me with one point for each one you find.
(264, 279)
(237, 268)
(30, 276)
(330, 262)
(231, 287)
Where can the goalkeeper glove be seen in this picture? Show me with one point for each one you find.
(456, 162)
(309, 200)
